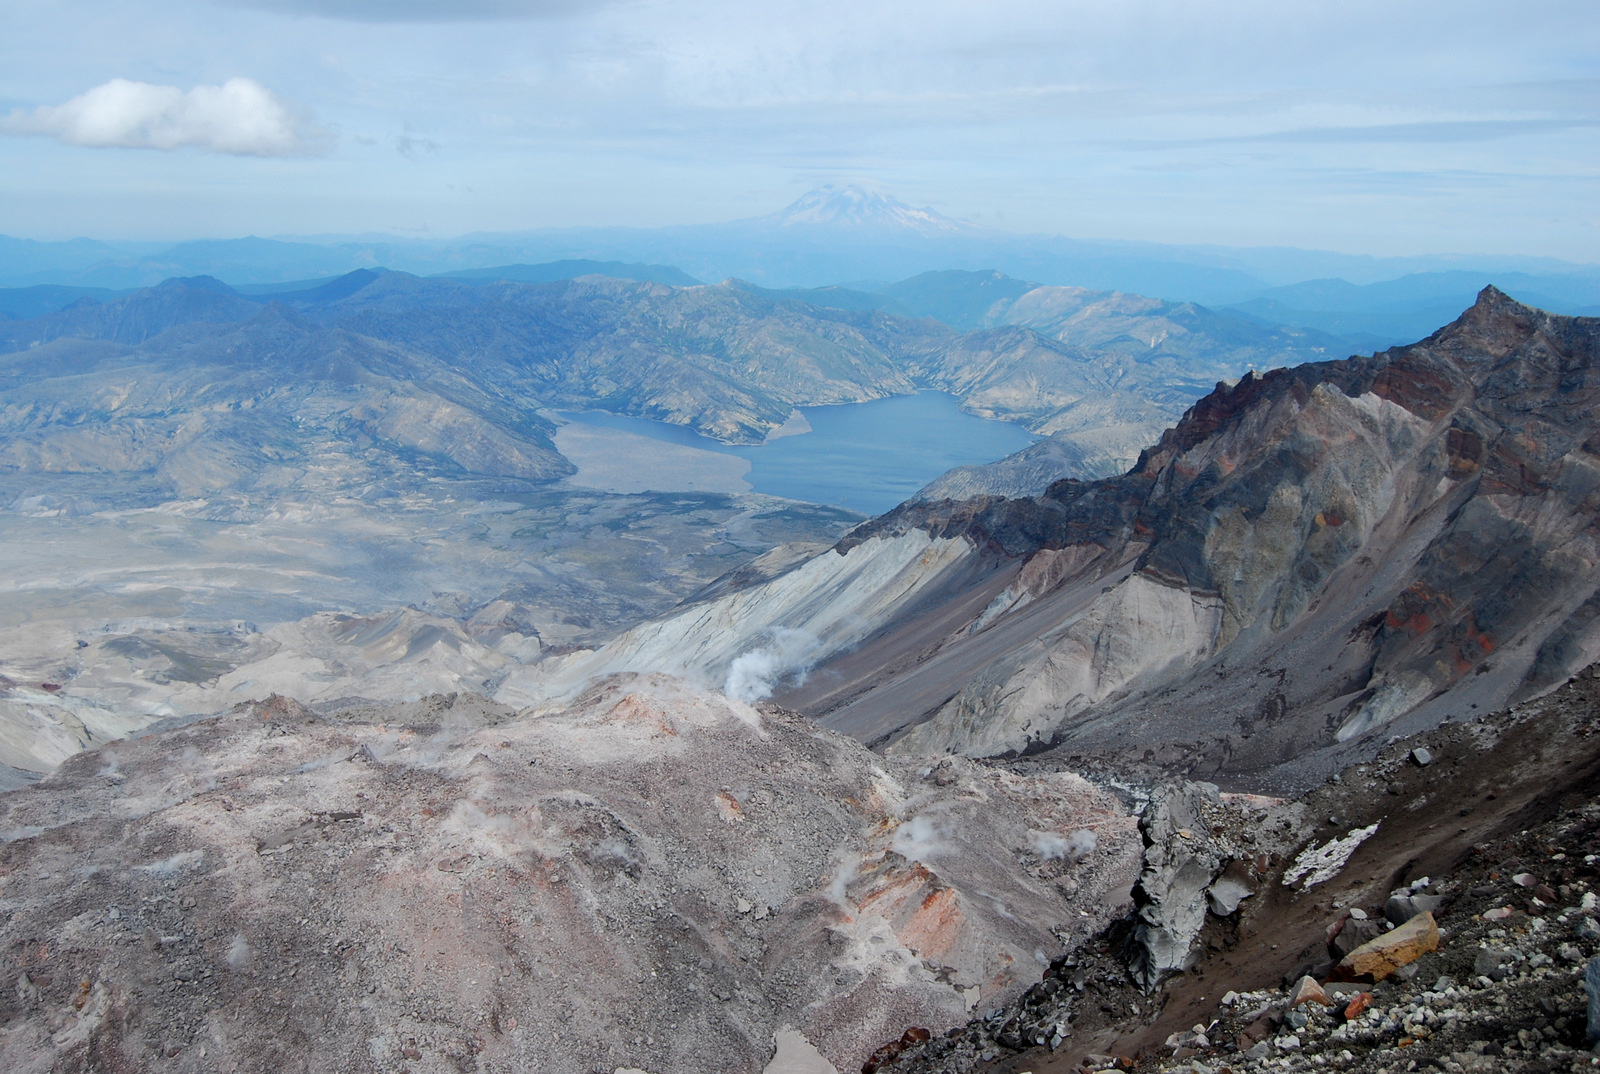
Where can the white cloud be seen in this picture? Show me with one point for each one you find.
(241, 116)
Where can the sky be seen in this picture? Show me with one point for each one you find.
(1365, 127)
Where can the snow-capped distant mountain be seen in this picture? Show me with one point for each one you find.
(859, 209)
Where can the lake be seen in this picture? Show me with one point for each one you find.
(865, 457)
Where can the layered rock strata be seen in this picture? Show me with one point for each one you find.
(1310, 559)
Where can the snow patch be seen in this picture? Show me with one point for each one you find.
(1318, 864)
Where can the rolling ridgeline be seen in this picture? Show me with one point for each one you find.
(1105, 372)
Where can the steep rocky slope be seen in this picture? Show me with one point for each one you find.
(652, 879)
(1311, 560)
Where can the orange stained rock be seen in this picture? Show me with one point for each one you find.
(1358, 1005)
(935, 926)
(728, 808)
(636, 707)
(1307, 990)
(1379, 957)
(896, 889)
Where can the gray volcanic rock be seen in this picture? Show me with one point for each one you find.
(1195, 861)
(652, 879)
(1179, 865)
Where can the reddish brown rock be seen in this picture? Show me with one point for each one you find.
(1307, 990)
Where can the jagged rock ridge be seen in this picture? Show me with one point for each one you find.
(1310, 556)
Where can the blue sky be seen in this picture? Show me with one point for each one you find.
(1383, 128)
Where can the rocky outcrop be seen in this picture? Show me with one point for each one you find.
(1192, 867)
(1179, 865)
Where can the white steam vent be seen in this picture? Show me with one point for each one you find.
(1074, 847)
(754, 675)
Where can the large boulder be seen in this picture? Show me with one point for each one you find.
(1378, 958)
(1181, 860)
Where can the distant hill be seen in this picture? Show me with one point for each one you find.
(1103, 373)
(826, 236)
(24, 303)
(959, 299)
(1394, 311)
(572, 269)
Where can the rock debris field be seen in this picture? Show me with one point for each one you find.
(1441, 913)
(652, 879)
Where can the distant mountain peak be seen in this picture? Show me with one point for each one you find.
(857, 208)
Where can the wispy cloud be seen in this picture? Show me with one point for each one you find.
(241, 117)
(420, 10)
(1473, 130)
(412, 147)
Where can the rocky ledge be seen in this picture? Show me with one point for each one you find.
(1437, 908)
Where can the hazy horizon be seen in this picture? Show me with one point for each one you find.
(1433, 130)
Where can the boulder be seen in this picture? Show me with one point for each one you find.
(1230, 889)
(1379, 957)
(1403, 907)
(1307, 990)
(1352, 933)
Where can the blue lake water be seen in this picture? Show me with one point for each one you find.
(865, 457)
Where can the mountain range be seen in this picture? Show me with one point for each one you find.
(1312, 560)
(676, 781)
(1102, 372)
(834, 235)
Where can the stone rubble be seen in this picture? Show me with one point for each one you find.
(1487, 962)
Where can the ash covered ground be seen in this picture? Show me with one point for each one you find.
(650, 879)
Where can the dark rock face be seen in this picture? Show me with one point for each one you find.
(1179, 864)
(1310, 556)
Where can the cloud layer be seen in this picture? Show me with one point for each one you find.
(421, 10)
(1365, 126)
(241, 117)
